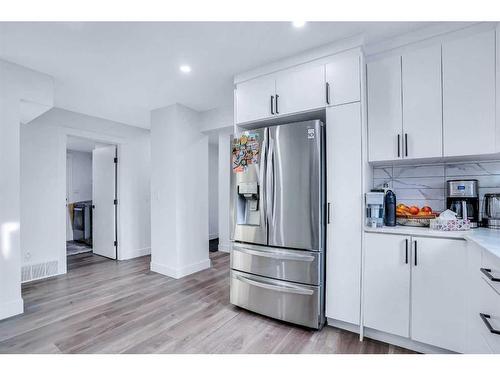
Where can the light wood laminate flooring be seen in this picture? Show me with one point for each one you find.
(104, 306)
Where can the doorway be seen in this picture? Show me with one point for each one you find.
(91, 198)
(213, 194)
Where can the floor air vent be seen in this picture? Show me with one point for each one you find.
(37, 271)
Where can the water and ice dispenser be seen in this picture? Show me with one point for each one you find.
(247, 203)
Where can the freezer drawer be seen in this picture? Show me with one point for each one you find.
(288, 265)
(291, 302)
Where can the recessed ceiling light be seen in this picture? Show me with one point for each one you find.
(298, 23)
(185, 68)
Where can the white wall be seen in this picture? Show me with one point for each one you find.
(213, 190)
(43, 192)
(219, 122)
(216, 119)
(80, 179)
(16, 84)
(224, 149)
(179, 205)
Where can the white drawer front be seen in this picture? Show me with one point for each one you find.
(490, 318)
(491, 269)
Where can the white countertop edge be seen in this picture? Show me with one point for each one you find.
(488, 239)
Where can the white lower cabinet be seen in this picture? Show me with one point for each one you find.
(414, 287)
(483, 315)
(475, 341)
(438, 301)
(488, 318)
(387, 283)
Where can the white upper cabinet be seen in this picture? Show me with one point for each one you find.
(386, 283)
(384, 109)
(469, 95)
(422, 107)
(300, 89)
(343, 80)
(255, 99)
(438, 276)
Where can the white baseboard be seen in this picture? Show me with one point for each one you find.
(343, 325)
(11, 308)
(177, 273)
(403, 342)
(135, 253)
(213, 236)
(389, 338)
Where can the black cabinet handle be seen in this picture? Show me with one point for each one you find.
(327, 93)
(486, 322)
(277, 97)
(399, 145)
(415, 243)
(406, 255)
(406, 144)
(272, 104)
(328, 213)
(487, 272)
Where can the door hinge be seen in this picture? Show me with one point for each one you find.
(115, 202)
(115, 243)
(115, 160)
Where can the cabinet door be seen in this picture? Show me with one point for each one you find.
(343, 79)
(469, 95)
(422, 107)
(387, 283)
(254, 99)
(438, 292)
(344, 229)
(300, 89)
(384, 109)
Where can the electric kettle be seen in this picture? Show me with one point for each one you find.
(492, 210)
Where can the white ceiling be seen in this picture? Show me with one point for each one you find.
(120, 71)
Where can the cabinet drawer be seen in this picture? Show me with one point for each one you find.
(490, 269)
(295, 303)
(479, 345)
(490, 318)
(290, 265)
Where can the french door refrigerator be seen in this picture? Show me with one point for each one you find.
(278, 222)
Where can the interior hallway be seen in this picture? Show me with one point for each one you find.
(103, 306)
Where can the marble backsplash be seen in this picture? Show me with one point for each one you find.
(425, 184)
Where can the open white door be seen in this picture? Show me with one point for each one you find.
(103, 196)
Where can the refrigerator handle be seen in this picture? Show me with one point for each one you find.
(263, 178)
(270, 182)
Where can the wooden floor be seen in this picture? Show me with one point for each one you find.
(103, 306)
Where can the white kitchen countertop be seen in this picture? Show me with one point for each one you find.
(488, 239)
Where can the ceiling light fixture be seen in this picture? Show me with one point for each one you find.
(185, 68)
(298, 24)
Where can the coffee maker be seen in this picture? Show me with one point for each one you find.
(463, 199)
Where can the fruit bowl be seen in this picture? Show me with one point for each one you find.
(415, 220)
(414, 216)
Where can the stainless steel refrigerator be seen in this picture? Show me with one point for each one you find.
(278, 223)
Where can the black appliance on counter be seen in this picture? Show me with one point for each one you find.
(390, 209)
(82, 222)
(463, 199)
